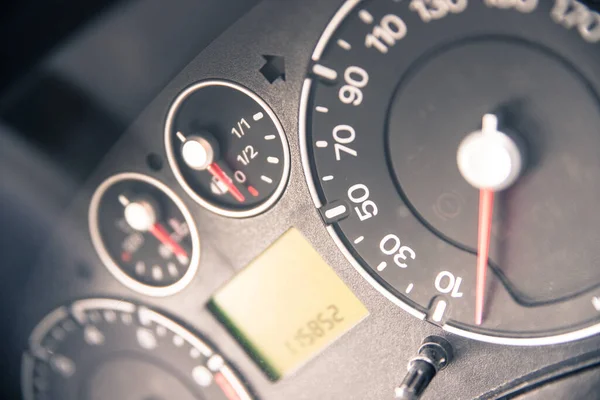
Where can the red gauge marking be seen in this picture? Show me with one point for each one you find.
(486, 208)
(253, 191)
(226, 387)
(218, 173)
(125, 256)
(161, 234)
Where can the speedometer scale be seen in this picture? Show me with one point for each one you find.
(111, 349)
(393, 90)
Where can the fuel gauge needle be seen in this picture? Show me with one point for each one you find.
(486, 210)
(218, 173)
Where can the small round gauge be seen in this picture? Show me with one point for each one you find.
(99, 348)
(144, 234)
(452, 149)
(227, 148)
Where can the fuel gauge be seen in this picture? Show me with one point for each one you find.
(227, 148)
(144, 234)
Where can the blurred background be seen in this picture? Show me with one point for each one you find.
(73, 76)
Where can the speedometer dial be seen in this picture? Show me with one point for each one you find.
(436, 131)
(111, 349)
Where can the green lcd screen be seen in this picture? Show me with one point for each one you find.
(287, 305)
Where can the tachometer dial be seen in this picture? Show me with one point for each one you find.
(436, 130)
(144, 234)
(227, 148)
(112, 349)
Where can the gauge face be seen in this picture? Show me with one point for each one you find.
(393, 93)
(103, 348)
(227, 148)
(144, 234)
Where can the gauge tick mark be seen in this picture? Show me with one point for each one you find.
(359, 239)
(344, 45)
(438, 313)
(596, 302)
(382, 265)
(321, 144)
(335, 211)
(365, 16)
(409, 288)
(324, 72)
(258, 116)
(321, 109)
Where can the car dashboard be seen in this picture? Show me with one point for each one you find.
(325, 200)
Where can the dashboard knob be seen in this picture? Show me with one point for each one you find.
(435, 353)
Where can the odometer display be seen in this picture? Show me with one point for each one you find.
(393, 89)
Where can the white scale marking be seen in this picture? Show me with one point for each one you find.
(123, 200)
(269, 137)
(266, 179)
(146, 339)
(161, 331)
(178, 341)
(596, 302)
(63, 365)
(343, 44)
(110, 316)
(382, 265)
(438, 313)
(140, 268)
(93, 336)
(328, 178)
(409, 288)
(58, 333)
(324, 72)
(172, 268)
(157, 273)
(258, 116)
(273, 160)
(322, 109)
(127, 318)
(215, 362)
(365, 16)
(359, 239)
(95, 316)
(321, 143)
(183, 260)
(202, 376)
(335, 211)
(194, 353)
(181, 137)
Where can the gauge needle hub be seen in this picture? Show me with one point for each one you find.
(141, 215)
(199, 154)
(490, 161)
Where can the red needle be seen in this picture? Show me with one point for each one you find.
(161, 234)
(218, 173)
(486, 208)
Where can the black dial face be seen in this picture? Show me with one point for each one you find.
(110, 349)
(227, 148)
(394, 90)
(144, 234)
